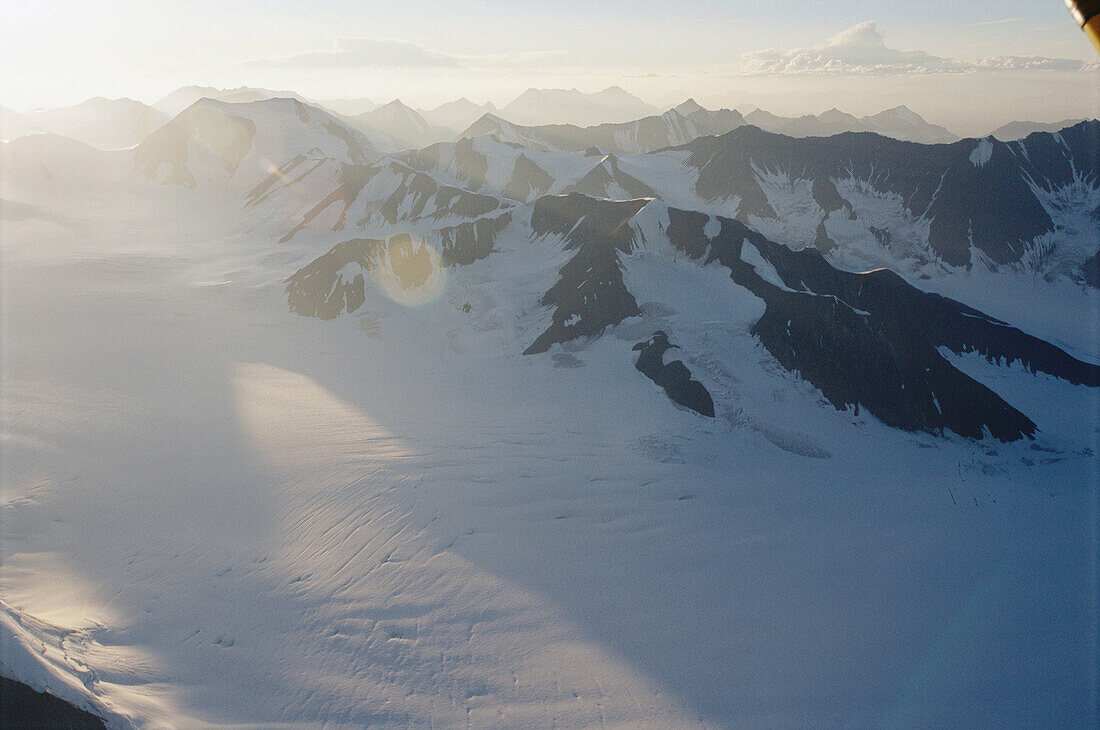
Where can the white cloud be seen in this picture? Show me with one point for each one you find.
(862, 49)
(1031, 63)
(362, 53)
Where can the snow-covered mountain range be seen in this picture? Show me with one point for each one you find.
(641, 135)
(314, 418)
(1020, 129)
(181, 98)
(458, 114)
(106, 123)
(864, 199)
(570, 106)
(900, 123)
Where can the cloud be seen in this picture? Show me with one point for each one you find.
(862, 49)
(1031, 63)
(859, 49)
(1001, 21)
(363, 53)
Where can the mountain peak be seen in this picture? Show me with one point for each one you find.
(395, 104)
(688, 107)
(571, 106)
(899, 112)
(836, 116)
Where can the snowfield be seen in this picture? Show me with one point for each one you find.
(216, 513)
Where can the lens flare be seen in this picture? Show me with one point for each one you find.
(407, 270)
(272, 169)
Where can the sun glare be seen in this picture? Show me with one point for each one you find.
(408, 270)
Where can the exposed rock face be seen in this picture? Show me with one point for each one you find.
(974, 193)
(528, 180)
(607, 180)
(589, 295)
(871, 339)
(402, 194)
(320, 289)
(472, 241)
(673, 376)
(855, 359)
(866, 340)
(335, 283)
(863, 198)
(23, 707)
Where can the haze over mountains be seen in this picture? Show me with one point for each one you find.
(1019, 130)
(362, 415)
(612, 120)
(859, 198)
(560, 106)
(899, 123)
(184, 97)
(105, 123)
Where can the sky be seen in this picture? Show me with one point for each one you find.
(964, 64)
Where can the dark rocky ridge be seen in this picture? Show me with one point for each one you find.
(865, 340)
(317, 290)
(598, 181)
(986, 202)
(23, 708)
(589, 295)
(414, 195)
(982, 198)
(471, 241)
(938, 320)
(674, 377)
(871, 339)
(314, 290)
(528, 180)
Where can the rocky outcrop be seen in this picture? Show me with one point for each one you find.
(974, 193)
(674, 377)
(589, 295)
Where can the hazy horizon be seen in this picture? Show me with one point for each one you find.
(969, 68)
